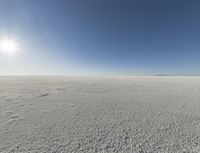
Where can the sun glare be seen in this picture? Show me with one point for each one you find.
(8, 46)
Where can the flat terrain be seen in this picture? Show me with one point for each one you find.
(99, 114)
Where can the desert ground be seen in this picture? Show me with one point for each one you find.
(99, 114)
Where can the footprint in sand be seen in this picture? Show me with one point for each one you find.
(13, 119)
(9, 112)
(43, 95)
(21, 105)
(14, 116)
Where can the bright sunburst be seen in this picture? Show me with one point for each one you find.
(8, 46)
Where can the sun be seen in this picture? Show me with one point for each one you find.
(9, 46)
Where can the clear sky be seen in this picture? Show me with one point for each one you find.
(113, 37)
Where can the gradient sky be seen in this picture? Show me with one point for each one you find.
(114, 37)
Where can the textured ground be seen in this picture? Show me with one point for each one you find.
(99, 114)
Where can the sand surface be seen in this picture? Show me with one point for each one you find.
(99, 114)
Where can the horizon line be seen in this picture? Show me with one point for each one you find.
(91, 75)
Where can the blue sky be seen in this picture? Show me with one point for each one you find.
(107, 37)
